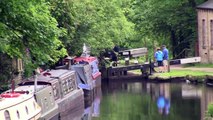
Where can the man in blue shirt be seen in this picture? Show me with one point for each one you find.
(165, 58)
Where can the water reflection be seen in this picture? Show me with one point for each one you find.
(145, 101)
(75, 114)
(165, 101)
(89, 110)
(92, 106)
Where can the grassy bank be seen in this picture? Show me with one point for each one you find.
(188, 74)
(182, 73)
(199, 75)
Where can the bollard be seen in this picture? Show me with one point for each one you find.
(150, 67)
(127, 61)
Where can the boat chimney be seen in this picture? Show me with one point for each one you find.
(70, 62)
(13, 86)
(35, 81)
(86, 51)
(84, 48)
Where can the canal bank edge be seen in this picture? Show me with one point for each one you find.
(186, 74)
(208, 79)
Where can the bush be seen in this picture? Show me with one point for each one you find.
(210, 110)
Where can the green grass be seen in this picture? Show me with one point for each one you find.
(180, 73)
(189, 74)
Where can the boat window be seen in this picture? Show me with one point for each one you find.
(73, 85)
(51, 99)
(7, 115)
(34, 105)
(50, 93)
(70, 84)
(64, 87)
(46, 103)
(26, 110)
(18, 115)
(55, 92)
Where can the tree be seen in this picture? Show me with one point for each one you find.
(28, 31)
(100, 24)
(169, 22)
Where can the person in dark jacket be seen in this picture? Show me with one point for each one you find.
(114, 58)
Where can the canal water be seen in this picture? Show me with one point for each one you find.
(119, 100)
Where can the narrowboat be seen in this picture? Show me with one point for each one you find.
(19, 104)
(56, 93)
(88, 75)
(87, 70)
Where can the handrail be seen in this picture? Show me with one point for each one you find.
(185, 49)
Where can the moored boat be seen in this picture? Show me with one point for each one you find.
(56, 92)
(88, 75)
(86, 68)
(19, 104)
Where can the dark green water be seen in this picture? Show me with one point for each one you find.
(149, 101)
(138, 101)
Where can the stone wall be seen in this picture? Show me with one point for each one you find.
(205, 35)
(17, 65)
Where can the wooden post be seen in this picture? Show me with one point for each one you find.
(150, 67)
(168, 66)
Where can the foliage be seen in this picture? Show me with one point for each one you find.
(38, 31)
(210, 110)
(6, 68)
(99, 24)
(168, 22)
(28, 31)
